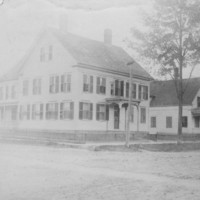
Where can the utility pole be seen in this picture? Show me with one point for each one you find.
(129, 64)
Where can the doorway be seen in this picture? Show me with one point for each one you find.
(116, 116)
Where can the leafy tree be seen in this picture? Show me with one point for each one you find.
(171, 38)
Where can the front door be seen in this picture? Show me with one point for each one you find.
(116, 117)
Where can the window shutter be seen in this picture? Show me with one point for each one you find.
(20, 112)
(47, 111)
(140, 91)
(84, 82)
(62, 83)
(107, 112)
(56, 111)
(40, 86)
(91, 84)
(34, 86)
(122, 88)
(72, 110)
(41, 111)
(147, 93)
(91, 111)
(61, 110)
(50, 84)
(98, 85)
(104, 85)
(116, 87)
(69, 82)
(97, 112)
(57, 84)
(127, 90)
(33, 111)
(80, 110)
(28, 111)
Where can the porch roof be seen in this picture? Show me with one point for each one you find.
(116, 100)
(196, 112)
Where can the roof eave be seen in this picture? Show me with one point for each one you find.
(93, 67)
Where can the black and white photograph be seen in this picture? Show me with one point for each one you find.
(99, 99)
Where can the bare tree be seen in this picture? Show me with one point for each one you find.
(171, 39)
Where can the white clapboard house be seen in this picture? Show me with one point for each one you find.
(70, 83)
(164, 107)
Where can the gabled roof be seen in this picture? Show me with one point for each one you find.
(99, 54)
(90, 52)
(164, 92)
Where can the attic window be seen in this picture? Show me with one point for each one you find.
(42, 55)
(50, 52)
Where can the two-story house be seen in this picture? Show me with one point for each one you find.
(164, 107)
(70, 83)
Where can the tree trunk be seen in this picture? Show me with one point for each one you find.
(180, 84)
(180, 111)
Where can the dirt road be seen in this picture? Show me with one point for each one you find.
(50, 173)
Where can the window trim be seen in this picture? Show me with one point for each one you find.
(99, 85)
(90, 111)
(71, 110)
(145, 118)
(185, 123)
(169, 124)
(153, 122)
(66, 82)
(89, 83)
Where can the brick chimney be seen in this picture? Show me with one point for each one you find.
(63, 23)
(108, 36)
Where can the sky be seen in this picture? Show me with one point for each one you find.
(22, 20)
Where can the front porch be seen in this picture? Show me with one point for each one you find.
(118, 107)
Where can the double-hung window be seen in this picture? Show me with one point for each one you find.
(101, 85)
(25, 87)
(134, 90)
(153, 122)
(37, 111)
(85, 110)
(54, 84)
(52, 111)
(143, 115)
(36, 86)
(119, 88)
(1, 93)
(42, 54)
(184, 121)
(87, 83)
(1, 113)
(50, 52)
(66, 110)
(13, 92)
(102, 112)
(65, 83)
(168, 122)
(7, 92)
(24, 112)
(143, 92)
